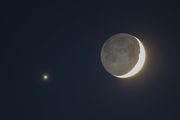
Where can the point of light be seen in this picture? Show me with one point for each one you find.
(45, 77)
(139, 64)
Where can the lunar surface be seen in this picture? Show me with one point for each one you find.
(123, 55)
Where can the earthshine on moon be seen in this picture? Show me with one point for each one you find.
(123, 55)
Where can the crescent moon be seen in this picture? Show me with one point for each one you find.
(139, 64)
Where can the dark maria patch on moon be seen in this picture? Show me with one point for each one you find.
(120, 53)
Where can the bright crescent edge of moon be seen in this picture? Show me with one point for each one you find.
(139, 64)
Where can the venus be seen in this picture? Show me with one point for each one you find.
(123, 55)
(45, 77)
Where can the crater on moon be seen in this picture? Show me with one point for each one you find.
(120, 53)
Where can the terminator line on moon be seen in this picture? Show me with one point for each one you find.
(123, 55)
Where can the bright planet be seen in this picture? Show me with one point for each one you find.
(123, 55)
(45, 77)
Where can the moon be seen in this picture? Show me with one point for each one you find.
(123, 55)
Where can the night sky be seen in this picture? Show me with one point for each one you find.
(64, 40)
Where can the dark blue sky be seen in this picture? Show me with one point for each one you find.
(64, 39)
